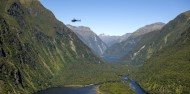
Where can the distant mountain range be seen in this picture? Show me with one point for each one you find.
(90, 39)
(122, 48)
(118, 46)
(110, 40)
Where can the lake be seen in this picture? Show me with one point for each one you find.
(70, 90)
(88, 89)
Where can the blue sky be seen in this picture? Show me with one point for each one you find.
(116, 17)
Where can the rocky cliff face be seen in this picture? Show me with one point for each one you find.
(90, 39)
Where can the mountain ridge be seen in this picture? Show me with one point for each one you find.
(110, 40)
(121, 49)
(90, 39)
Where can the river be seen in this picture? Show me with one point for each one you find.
(88, 89)
(135, 86)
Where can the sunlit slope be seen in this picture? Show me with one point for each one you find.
(167, 70)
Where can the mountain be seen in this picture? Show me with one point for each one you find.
(110, 40)
(142, 49)
(164, 58)
(37, 51)
(124, 37)
(148, 28)
(119, 50)
(90, 39)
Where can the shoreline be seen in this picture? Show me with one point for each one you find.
(78, 85)
(98, 91)
(96, 87)
(73, 86)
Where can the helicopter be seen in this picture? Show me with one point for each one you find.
(75, 20)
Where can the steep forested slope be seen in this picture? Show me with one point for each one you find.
(36, 49)
(167, 69)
